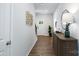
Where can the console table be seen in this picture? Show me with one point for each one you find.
(64, 46)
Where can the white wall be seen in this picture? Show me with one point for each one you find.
(23, 36)
(4, 28)
(74, 28)
(42, 29)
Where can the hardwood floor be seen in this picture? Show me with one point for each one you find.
(43, 47)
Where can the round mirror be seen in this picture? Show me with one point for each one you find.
(66, 18)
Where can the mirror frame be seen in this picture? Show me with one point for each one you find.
(65, 11)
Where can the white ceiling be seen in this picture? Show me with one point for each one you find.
(45, 8)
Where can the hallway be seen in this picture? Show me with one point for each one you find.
(43, 47)
(25, 29)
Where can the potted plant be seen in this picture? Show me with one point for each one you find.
(49, 31)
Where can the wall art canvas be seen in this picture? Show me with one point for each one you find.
(29, 18)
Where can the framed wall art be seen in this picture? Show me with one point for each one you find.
(29, 18)
(40, 22)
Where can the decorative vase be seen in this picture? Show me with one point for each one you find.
(67, 32)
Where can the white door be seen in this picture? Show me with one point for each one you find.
(4, 29)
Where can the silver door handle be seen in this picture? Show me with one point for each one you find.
(8, 42)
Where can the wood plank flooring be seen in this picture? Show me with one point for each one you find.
(43, 47)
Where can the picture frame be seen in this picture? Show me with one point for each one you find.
(40, 22)
(29, 18)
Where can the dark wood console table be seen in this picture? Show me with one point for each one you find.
(64, 46)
